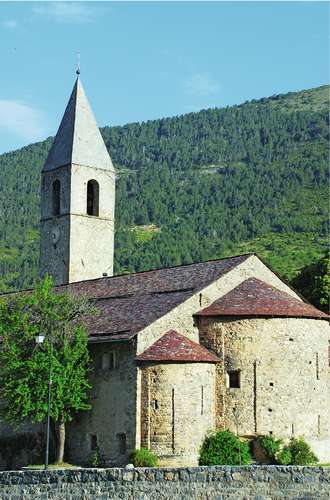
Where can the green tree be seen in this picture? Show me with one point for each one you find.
(313, 282)
(25, 366)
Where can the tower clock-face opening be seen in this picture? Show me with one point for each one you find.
(55, 235)
(93, 198)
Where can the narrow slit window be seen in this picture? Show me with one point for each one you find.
(233, 379)
(93, 198)
(202, 400)
(154, 404)
(317, 366)
(56, 197)
(121, 440)
(173, 421)
(93, 442)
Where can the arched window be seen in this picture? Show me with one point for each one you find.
(56, 197)
(92, 198)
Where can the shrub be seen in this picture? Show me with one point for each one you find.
(95, 458)
(271, 446)
(301, 453)
(284, 457)
(297, 452)
(143, 458)
(224, 448)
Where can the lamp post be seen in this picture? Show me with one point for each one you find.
(40, 340)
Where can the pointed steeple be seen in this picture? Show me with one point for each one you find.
(78, 139)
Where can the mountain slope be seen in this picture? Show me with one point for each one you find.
(194, 187)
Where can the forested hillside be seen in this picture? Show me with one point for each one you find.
(203, 185)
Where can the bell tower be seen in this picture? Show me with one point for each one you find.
(77, 199)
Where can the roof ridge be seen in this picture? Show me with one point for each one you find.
(75, 89)
(137, 273)
(156, 269)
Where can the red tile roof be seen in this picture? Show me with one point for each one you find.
(176, 348)
(130, 302)
(253, 297)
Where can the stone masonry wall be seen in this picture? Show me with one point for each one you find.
(177, 410)
(111, 422)
(91, 238)
(75, 246)
(209, 483)
(284, 376)
(181, 317)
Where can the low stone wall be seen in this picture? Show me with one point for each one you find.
(211, 483)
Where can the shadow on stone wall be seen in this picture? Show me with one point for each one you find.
(21, 449)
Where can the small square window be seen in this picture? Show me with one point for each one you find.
(234, 379)
(154, 404)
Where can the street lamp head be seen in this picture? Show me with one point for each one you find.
(39, 338)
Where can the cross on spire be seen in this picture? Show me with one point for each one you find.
(78, 64)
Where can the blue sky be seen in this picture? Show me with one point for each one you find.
(146, 60)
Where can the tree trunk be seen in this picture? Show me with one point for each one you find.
(61, 441)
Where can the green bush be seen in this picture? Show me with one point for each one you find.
(301, 453)
(143, 458)
(271, 446)
(224, 448)
(95, 458)
(284, 457)
(297, 452)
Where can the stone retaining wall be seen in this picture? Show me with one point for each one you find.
(209, 483)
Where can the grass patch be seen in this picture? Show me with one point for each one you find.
(287, 253)
(62, 465)
(145, 233)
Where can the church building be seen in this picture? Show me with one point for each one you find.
(176, 352)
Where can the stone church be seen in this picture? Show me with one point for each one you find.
(181, 351)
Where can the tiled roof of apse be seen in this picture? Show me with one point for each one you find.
(253, 297)
(176, 348)
(130, 302)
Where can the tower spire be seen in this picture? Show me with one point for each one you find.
(78, 139)
(77, 198)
